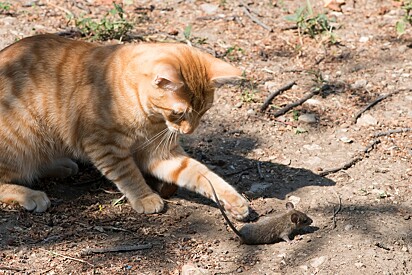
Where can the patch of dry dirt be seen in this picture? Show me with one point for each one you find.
(373, 233)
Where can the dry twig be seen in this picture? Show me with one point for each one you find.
(292, 105)
(335, 212)
(259, 169)
(352, 162)
(390, 132)
(246, 10)
(275, 93)
(119, 248)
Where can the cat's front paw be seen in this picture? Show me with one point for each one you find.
(236, 205)
(152, 203)
(36, 201)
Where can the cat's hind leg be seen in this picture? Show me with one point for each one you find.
(60, 168)
(31, 200)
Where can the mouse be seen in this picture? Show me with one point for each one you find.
(269, 229)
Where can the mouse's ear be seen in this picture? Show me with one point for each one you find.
(289, 205)
(294, 218)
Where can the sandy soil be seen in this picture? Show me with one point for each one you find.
(362, 215)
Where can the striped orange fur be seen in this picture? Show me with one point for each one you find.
(120, 107)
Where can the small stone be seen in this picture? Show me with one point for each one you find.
(359, 84)
(316, 262)
(209, 8)
(271, 85)
(363, 39)
(250, 112)
(367, 120)
(239, 104)
(404, 249)
(313, 102)
(346, 140)
(307, 118)
(239, 270)
(348, 227)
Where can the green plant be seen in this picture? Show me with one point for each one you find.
(187, 33)
(234, 52)
(114, 25)
(400, 25)
(249, 95)
(4, 6)
(310, 23)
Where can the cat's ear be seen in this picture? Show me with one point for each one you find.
(167, 77)
(221, 73)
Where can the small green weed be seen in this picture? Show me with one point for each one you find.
(310, 23)
(248, 95)
(187, 33)
(407, 18)
(113, 26)
(5, 7)
(234, 53)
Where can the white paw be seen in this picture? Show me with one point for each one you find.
(148, 205)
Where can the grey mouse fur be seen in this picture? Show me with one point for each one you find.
(270, 228)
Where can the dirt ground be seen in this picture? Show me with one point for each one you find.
(362, 214)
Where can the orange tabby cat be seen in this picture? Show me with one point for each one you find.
(120, 107)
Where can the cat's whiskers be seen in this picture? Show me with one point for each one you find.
(152, 139)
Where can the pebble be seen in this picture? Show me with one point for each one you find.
(307, 118)
(316, 262)
(239, 104)
(271, 85)
(366, 120)
(348, 227)
(363, 39)
(346, 140)
(250, 112)
(359, 84)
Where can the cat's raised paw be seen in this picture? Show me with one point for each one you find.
(36, 201)
(148, 205)
(236, 205)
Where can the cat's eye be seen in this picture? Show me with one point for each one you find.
(178, 113)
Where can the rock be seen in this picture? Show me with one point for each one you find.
(271, 85)
(316, 262)
(304, 267)
(348, 227)
(359, 84)
(313, 102)
(367, 120)
(209, 8)
(250, 112)
(307, 118)
(363, 39)
(346, 140)
(239, 104)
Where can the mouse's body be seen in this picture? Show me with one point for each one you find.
(270, 228)
(273, 228)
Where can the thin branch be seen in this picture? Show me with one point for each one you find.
(373, 103)
(120, 248)
(352, 162)
(370, 105)
(246, 10)
(275, 93)
(335, 212)
(390, 132)
(68, 257)
(292, 105)
(2, 267)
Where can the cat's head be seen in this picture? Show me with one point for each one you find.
(183, 80)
